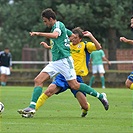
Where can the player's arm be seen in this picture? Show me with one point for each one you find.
(0, 57)
(70, 34)
(1, 53)
(10, 62)
(105, 59)
(93, 39)
(45, 45)
(71, 37)
(54, 34)
(90, 61)
(123, 39)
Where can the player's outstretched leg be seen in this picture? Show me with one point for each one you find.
(101, 96)
(31, 109)
(41, 100)
(27, 110)
(105, 101)
(27, 115)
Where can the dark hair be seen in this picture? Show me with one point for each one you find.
(6, 48)
(78, 31)
(48, 13)
(131, 16)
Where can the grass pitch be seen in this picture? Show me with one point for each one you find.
(61, 113)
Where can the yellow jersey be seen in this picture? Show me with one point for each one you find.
(78, 54)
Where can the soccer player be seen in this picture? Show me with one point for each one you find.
(5, 65)
(79, 51)
(96, 58)
(62, 62)
(129, 80)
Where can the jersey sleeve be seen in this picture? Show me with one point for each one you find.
(58, 30)
(10, 59)
(102, 52)
(1, 52)
(69, 32)
(90, 47)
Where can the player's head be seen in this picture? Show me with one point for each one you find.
(78, 31)
(132, 21)
(6, 50)
(49, 17)
(78, 35)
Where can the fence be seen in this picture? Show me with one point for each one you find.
(121, 65)
(25, 77)
(124, 59)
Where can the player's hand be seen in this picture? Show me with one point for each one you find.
(44, 44)
(109, 63)
(123, 39)
(72, 37)
(34, 33)
(87, 33)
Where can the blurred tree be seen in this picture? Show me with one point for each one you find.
(18, 19)
(106, 19)
(113, 17)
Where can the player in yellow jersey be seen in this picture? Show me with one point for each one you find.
(80, 52)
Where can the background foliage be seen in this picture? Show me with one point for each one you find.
(107, 20)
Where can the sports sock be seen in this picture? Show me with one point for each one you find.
(41, 100)
(131, 86)
(89, 106)
(102, 80)
(85, 110)
(90, 91)
(36, 93)
(91, 80)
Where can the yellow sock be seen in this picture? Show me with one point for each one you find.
(131, 87)
(89, 106)
(41, 101)
(85, 111)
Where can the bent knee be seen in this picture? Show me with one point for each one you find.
(37, 82)
(128, 84)
(74, 86)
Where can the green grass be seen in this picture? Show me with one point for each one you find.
(61, 114)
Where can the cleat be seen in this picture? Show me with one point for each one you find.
(105, 101)
(20, 111)
(27, 115)
(85, 112)
(27, 110)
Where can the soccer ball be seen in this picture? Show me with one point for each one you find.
(1, 108)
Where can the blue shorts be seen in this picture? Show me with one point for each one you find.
(130, 77)
(61, 82)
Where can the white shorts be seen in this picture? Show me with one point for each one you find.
(63, 66)
(5, 70)
(97, 69)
